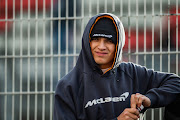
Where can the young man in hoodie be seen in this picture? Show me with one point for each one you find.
(100, 87)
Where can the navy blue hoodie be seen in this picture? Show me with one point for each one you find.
(86, 93)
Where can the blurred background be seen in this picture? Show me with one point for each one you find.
(40, 41)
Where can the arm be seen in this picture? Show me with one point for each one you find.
(155, 89)
(167, 90)
(161, 88)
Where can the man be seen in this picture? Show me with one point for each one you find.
(100, 87)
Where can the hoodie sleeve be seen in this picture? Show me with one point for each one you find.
(63, 108)
(161, 88)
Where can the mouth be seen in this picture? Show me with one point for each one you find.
(101, 53)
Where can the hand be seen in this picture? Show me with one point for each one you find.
(129, 114)
(138, 99)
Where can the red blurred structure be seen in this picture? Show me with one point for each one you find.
(8, 4)
(140, 40)
(173, 31)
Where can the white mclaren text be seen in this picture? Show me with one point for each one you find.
(107, 99)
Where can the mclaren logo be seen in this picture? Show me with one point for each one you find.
(107, 99)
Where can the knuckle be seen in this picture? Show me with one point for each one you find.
(141, 98)
(136, 118)
(127, 117)
(126, 112)
(136, 96)
(132, 95)
(134, 110)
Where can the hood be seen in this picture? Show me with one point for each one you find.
(86, 61)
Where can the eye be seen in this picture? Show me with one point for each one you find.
(109, 41)
(94, 39)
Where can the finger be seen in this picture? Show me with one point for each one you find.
(144, 101)
(141, 99)
(131, 113)
(137, 97)
(134, 113)
(133, 116)
(133, 101)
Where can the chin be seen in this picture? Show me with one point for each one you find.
(100, 62)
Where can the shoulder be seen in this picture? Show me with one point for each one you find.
(70, 81)
(129, 66)
(133, 69)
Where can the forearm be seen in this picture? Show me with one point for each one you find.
(165, 94)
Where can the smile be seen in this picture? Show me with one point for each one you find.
(101, 53)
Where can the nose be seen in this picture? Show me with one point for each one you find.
(102, 45)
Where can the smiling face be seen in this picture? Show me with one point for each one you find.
(103, 51)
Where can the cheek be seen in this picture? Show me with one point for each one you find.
(112, 49)
(93, 45)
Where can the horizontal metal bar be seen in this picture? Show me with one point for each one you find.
(76, 55)
(27, 93)
(39, 56)
(79, 18)
(153, 53)
(42, 19)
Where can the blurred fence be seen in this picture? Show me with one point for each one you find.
(40, 41)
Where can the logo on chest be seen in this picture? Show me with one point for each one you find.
(108, 99)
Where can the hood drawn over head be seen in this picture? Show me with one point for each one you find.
(86, 61)
(104, 27)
